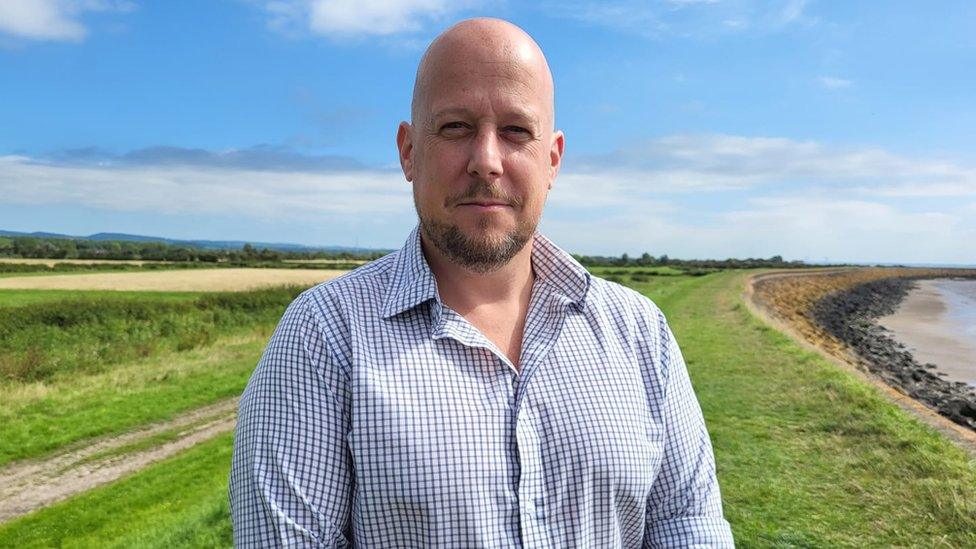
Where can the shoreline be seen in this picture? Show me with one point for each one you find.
(931, 323)
(852, 316)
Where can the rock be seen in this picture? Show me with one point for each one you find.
(850, 316)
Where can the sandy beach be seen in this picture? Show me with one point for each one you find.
(937, 323)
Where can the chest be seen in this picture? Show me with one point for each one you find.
(503, 328)
(444, 424)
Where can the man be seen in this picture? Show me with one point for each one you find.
(477, 388)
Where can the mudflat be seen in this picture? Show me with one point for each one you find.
(932, 322)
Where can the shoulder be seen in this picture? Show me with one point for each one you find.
(327, 310)
(638, 322)
(367, 283)
(623, 303)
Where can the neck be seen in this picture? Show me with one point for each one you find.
(463, 290)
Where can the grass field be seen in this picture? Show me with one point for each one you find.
(807, 455)
(79, 335)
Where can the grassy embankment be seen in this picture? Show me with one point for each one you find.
(807, 455)
(94, 364)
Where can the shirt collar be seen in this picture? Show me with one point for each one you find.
(413, 283)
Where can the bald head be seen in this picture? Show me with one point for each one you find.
(487, 47)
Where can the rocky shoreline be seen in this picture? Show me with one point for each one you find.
(850, 315)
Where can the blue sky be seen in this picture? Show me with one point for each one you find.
(836, 131)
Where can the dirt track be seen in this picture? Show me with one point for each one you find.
(31, 485)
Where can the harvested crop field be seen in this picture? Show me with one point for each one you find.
(195, 280)
(53, 262)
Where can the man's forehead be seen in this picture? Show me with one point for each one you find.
(503, 109)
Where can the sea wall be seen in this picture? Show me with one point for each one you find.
(850, 315)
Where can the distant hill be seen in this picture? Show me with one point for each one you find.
(206, 244)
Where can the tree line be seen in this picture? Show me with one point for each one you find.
(63, 248)
(648, 260)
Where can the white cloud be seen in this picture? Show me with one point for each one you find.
(51, 19)
(793, 10)
(683, 195)
(720, 196)
(834, 83)
(796, 227)
(706, 163)
(345, 18)
(193, 190)
(685, 18)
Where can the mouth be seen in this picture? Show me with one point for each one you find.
(485, 205)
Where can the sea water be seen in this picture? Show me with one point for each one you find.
(960, 299)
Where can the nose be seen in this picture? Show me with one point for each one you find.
(485, 159)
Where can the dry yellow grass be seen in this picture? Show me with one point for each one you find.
(190, 280)
(51, 262)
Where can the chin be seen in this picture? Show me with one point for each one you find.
(483, 247)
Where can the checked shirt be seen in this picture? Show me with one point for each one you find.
(379, 417)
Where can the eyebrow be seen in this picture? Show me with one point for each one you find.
(517, 112)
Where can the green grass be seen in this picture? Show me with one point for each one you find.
(117, 361)
(83, 334)
(181, 502)
(807, 455)
(141, 444)
(20, 298)
(40, 418)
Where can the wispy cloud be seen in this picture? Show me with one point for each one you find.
(715, 162)
(793, 10)
(834, 83)
(199, 187)
(57, 20)
(817, 228)
(685, 18)
(632, 17)
(355, 18)
(258, 158)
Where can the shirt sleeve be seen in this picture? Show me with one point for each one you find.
(292, 478)
(684, 508)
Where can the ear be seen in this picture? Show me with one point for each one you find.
(556, 155)
(404, 141)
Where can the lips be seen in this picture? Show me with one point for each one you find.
(485, 204)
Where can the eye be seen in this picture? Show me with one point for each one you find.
(517, 133)
(453, 127)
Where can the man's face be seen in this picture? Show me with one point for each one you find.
(482, 157)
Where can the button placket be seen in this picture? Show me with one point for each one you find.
(530, 478)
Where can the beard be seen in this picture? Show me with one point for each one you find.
(482, 253)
